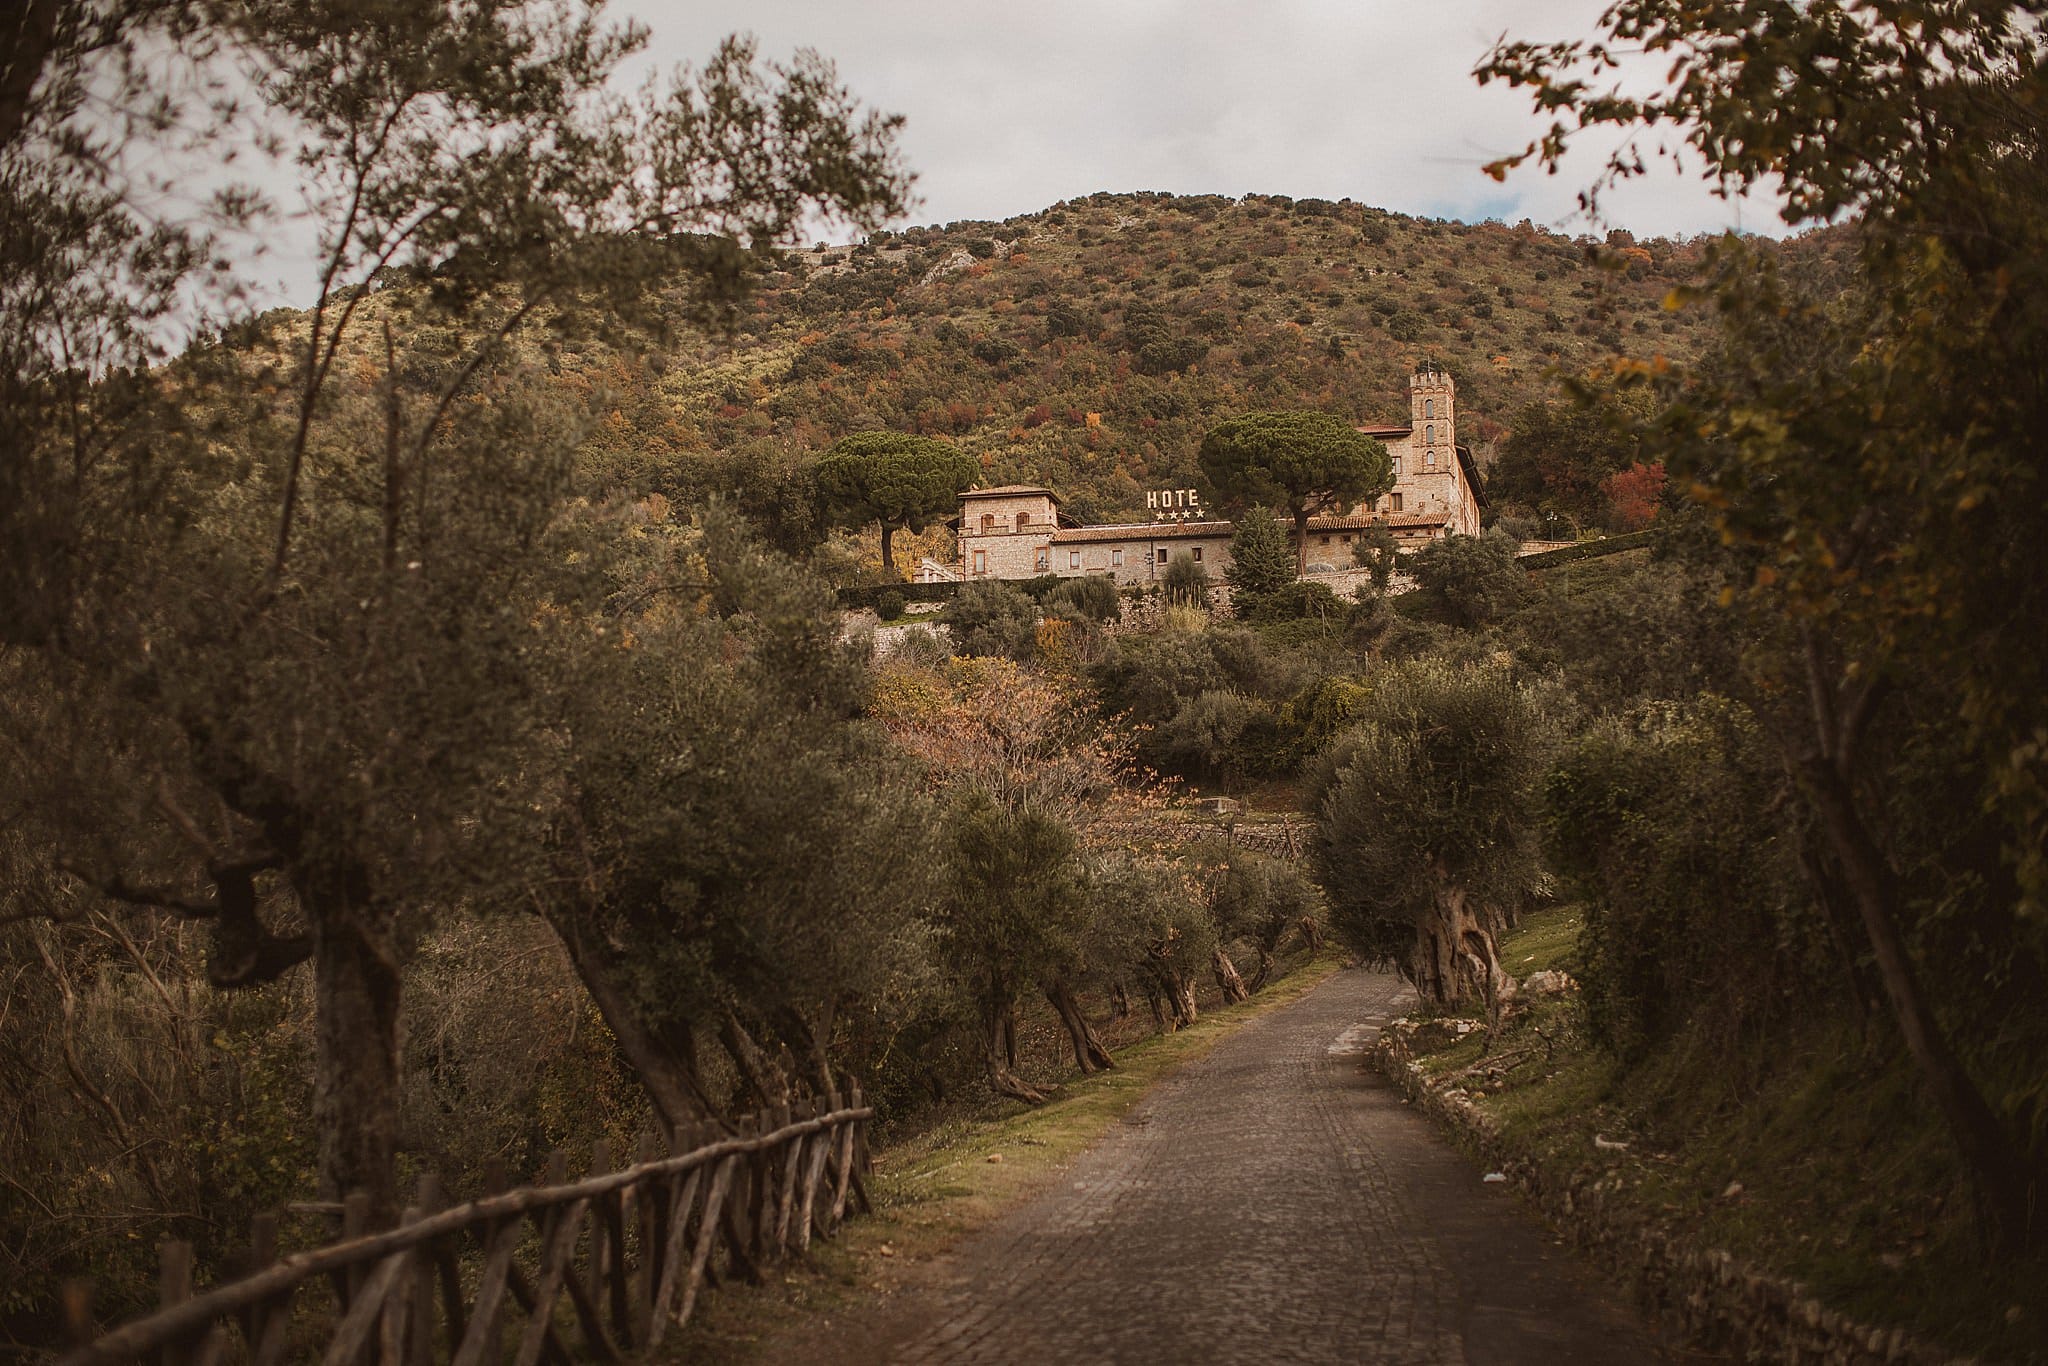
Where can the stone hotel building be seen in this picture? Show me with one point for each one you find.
(1016, 531)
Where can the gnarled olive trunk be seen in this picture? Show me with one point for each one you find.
(356, 990)
(1227, 980)
(999, 1035)
(1089, 1053)
(1455, 959)
(1311, 934)
(663, 1057)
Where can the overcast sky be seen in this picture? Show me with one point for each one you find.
(1014, 106)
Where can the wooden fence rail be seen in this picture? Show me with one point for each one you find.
(629, 1250)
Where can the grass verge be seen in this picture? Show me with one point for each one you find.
(1813, 1160)
(932, 1189)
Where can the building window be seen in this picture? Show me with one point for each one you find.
(1198, 554)
(988, 522)
(1397, 467)
(1044, 558)
(981, 562)
(1116, 557)
(1429, 407)
(1429, 436)
(1397, 502)
(1346, 539)
(1073, 559)
(1162, 554)
(1023, 520)
(1322, 540)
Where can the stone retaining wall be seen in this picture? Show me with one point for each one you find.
(1712, 1297)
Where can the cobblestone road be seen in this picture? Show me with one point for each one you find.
(1274, 1202)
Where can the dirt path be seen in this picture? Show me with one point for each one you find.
(1273, 1202)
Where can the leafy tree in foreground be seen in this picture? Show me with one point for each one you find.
(1424, 841)
(309, 590)
(893, 478)
(1306, 463)
(1876, 464)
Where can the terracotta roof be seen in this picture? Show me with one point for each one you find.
(1352, 521)
(1386, 431)
(1142, 531)
(1009, 491)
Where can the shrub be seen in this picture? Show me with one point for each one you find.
(1094, 598)
(1300, 602)
(890, 605)
(1186, 582)
(990, 618)
(1471, 580)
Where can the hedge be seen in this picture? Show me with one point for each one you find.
(1586, 550)
(867, 594)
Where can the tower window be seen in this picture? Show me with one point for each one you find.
(1429, 407)
(1429, 436)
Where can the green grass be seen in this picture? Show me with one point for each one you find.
(1813, 1157)
(932, 1189)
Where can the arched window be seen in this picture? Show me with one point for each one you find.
(1429, 436)
(1429, 407)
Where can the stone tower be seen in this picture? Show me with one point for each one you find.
(1432, 404)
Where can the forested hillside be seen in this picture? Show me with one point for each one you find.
(1090, 346)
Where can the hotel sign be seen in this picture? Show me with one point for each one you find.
(1173, 505)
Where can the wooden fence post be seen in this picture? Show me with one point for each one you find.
(173, 1288)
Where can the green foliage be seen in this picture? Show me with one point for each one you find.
(1260, 561)
(893, 478)
(1301, 601)
(1376, 552)
(1423, 836)
(1093, 597)
(1558, 456)
(988, 617)
(1697, 914)
(1185, 582)
(1304, 462)
(1470, 581)
(890, 605)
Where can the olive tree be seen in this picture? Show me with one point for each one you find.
(306, 562)
(1423, 839)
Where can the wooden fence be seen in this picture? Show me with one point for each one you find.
(628, 1250)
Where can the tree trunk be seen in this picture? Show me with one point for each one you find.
(2006, 1194)
(355, 1049)
(664, 1060)
(1226, 977)
(1301, 544)
(1311, 934)
(999, 1036)
(1455, 958)
(756, 1068)
(1119, 1000)
(1089, 1053)
(888, 561)
(806, 1043)
(1265, 972)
